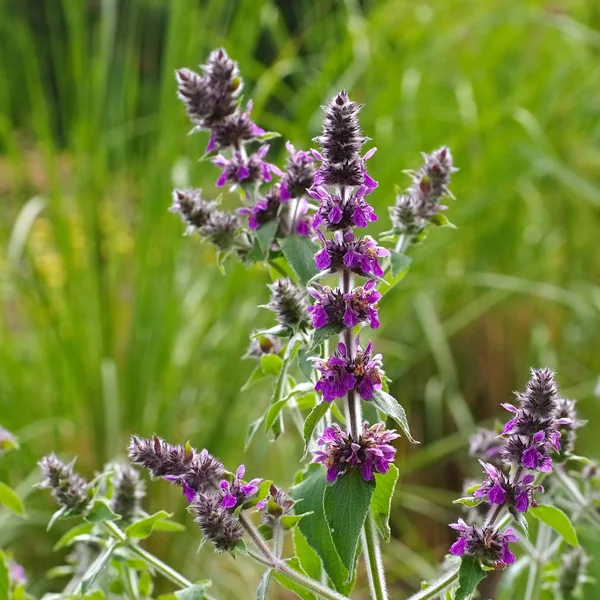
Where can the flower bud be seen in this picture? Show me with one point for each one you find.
(68, 488)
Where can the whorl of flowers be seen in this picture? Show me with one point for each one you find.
(217, 523)
(486, 445)
(528, 440)
(421, 202)
(68, 488)
(288, 303)
(371, 453)
(128, 491)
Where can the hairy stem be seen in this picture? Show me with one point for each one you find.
(434, 590)
(373, 560)
(536, 569)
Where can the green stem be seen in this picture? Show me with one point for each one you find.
(536, 570)
(571, 488)
(373, 560)
(268, 559)
(434, 590)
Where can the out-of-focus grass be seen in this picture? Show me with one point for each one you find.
(114, 323)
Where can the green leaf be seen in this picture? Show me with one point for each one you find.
(95, 595)
(469, 576)
(468, 501)
(195, 592)
(389, 406)
(290, 584)
(381, 503)
(254, 427)
(441, 220)
(324, 333)
(146, 584)
(473, 488)
(399, 264)
(558, 520)
(256, 375)
(101, 512)
(346, 503)
(3, 577)
(143, 528)
(520, 520)
(315, 415)
(167, 525)
(273, 413)
(290, 521)
(265, 235)
(96, 567)
(299, 251)
(276, 330)
(10, 499)
(309, 559)
(261, 590)
(268, 135)
(70, 535)
(261, 494)
(59, 514)
(271, 364)
(305, 365)
(309, 498)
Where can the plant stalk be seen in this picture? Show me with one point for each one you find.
(536, 570)
(434, 590)
(373, 560)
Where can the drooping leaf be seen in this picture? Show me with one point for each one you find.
(309, 498)
(10, 499)
(381, 503)
(271, 364)
(315, 415)
(389, 406)
(70, 535)
(345, 504)
(441, 220)
(324, 333)
(290, 584)
(558, 520)
(469, 576)
(144, 527)
(101, 512)
(195, 592)
(273, 413)
(469, 501)
(265, 235)
(299, 251)
(97, 566)
(59, 514)
(261, 590)
(254, 427)
(309, 559)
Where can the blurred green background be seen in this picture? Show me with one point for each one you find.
(113, 322)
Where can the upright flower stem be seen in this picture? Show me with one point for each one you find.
(435, 589)
(373, 561)
(536, 570)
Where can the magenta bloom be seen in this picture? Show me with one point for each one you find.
(237, 491)
(265, 210)
(16, 573)
(298, 176)
(337, 213)
(360, 255)
(371, 453)
(336, 375)
(486, 544)
(367, 368)
(238, 170)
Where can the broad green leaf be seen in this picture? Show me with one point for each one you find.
(520, 520)
(324, 333)
(299, 251)
(254, 427)
(468, 501)
(167, 525)
(441, 220)
(305, 365)
(95, 595)
(558, 520)
(469, 576)
(290, 584)
(145, 584)
(261, 590)
(265, 235)
(261, 494)
(256, 375)
(309, 559)
(271, 364)
(137, 564)
(309, 498)
(195, 592)
(315, 415)
(273, 413)
(389, 406)
(381, 503)
(100, 512)
(290, 521)
(399, 264)
(144, 527)
(10, 499)
(70, 535)
(345, 504)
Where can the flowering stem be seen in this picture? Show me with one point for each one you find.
(373, 560)
(434, 590)
(536, 571)
(269, 559)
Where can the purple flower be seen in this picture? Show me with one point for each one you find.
(217, 523)
(265, 210)
(237, 491)
(360, 255)
(367, 368)
(371, 453)
(298, 176)
(239, 170)
(334, 308)
(486, 544)
(336, 378)
(234, 130)
(337, 213)
(16, 573)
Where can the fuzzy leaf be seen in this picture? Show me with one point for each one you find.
(273, 413)
(468, 501)
(70, 535)
(309, 559)
(381, 503)
(558, 520)
(101, 512)
(309, 498)
(324, 333)
(167, 525)
(195, 592)
(315, 415)
(261, 494)
(305, 365)
(271, 364)
(261, 591)
(389, 406)
(265, 235)
(143, 528)
(399, 264)
(276, 330)
(59, 514)
(290, 521)
(441, 220)
(10, 499)
(469, 576)
(299, 251)
(96, 567)
(345, 504)
(290, 584)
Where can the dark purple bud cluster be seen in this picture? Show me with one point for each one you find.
(299, 173)
(371, 453)
(68, 488)
(526, 443)
(217, 523)
(128, 491)
(569, 422)
(288, 302)
(414, 209)
(245, 170)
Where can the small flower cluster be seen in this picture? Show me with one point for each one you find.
(415, 209)
(68, 488)
(288, 303)
(526, 443)
(371, 453)
(213, 494)
(128, 491)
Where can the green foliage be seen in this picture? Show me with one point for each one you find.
(381, 503)
(299, 252)
(100, 511)
(469, 576)
(144, 527)
(389, 406)
(558, 520)
(290, 584)
(10, 499)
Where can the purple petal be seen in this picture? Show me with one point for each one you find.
(188, 492)
(497, 495)
(228, 501)
(459, 547)
(212, 144)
